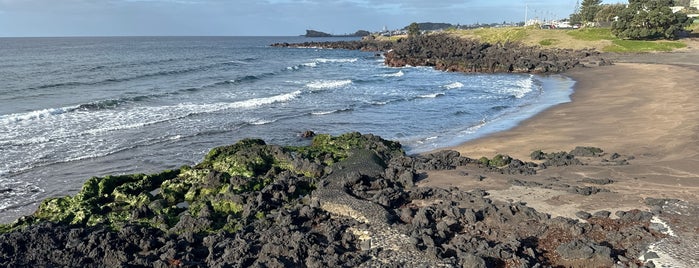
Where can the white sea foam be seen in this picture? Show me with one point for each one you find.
(24, 141)
(35, 115)
(324, 112)
(431, 96)
(398, 74)
(475, 128)
(96, 131)
(251, 103)
(323, 60)
(522, 87)
(329, 84)
(454, 85)
(379, 102)
(258, 122)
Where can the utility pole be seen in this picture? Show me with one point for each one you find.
(526, 13)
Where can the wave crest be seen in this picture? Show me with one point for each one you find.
(431, 96)
(398, 74)
(323, 60)
(454, 85)
(329, 84)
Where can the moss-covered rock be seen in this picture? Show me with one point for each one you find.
(232, 185)
(497, 161)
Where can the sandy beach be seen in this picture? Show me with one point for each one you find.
(642, 108)
(647, 111)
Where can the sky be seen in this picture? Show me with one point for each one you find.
(23, 18)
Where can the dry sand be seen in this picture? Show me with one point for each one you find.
(645, 106)
(648, 111)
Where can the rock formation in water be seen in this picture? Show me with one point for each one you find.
(451, 53)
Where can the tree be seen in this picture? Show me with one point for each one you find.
(575, 18)
(413, 29)
(607, 13)
(588, 10)
(682, 3)
(649, 19)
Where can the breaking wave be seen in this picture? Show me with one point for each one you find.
(398, 74)
(454, 85)
(329, 84)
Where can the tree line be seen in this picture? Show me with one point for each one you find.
(639, 20)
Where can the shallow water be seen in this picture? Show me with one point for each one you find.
(72, 108)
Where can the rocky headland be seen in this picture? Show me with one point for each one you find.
(350, 200)
(314, 33)
(452, 53)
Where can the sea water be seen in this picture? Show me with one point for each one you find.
(73, 108)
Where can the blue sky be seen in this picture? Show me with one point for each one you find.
(253, 17)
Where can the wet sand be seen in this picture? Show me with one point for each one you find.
(644, 108)
(647, 112)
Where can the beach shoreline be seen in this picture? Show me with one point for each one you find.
(650, 119)
(641, 110)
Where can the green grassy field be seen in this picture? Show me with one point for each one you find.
(600, 39)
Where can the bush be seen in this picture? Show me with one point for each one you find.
(649, 20)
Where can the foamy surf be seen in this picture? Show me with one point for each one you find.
(454, 85)
(398, 74)
(258, 122)
(323, 60)
(330, 112)
(431, 96)
(328, 84)
(522, 87)
(325, 112)
(35, 115)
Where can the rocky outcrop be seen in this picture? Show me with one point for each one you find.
(455, 54)
(313, 33)
(451, 53)
(341, 201)
(366, 44)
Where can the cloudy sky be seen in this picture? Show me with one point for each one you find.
(254, 17)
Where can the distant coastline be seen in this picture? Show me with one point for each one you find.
(314, 33)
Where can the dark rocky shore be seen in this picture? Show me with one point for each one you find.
(450, 53)
(343, 201)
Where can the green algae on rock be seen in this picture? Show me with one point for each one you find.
(234, 184)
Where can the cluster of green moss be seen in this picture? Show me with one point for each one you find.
(215, 189)
(497, 161)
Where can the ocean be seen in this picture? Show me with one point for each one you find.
(73, 108)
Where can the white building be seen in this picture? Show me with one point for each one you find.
(694, 3)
